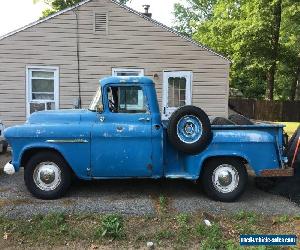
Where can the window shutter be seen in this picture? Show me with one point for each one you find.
(101, 23)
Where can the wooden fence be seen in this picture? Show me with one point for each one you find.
(287, 111)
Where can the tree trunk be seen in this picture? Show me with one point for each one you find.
(270, 82)
(275, 42)
(294, 84)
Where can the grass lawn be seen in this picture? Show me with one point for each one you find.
(166, 230)
(290, 127)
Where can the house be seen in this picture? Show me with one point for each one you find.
(53, 62)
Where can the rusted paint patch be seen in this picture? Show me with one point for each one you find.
(277, 172)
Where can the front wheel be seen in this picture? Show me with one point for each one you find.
(224, 179)
(47, 175)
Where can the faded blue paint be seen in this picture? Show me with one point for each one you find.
(189, 129)
(124, 146)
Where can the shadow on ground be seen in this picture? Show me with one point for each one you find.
(288, 187)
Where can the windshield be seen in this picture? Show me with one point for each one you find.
(97, 100)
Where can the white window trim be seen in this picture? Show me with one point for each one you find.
(28, 85)
(116, 70)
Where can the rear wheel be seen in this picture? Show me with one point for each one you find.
(224, 179)
(47, 175)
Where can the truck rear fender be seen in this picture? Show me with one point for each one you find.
(241, 157)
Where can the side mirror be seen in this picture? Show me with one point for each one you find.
(99, 108)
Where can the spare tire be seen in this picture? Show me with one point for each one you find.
(189, 130)
(222, 121)
(240, 119)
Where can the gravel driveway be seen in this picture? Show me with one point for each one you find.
(134, 197)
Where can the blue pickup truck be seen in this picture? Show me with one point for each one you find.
(122, 135)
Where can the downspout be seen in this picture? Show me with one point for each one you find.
(78, 59)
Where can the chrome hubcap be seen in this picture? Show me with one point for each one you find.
(225, 178)
(47, 176)
(189, 129)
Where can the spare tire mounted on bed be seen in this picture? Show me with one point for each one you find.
(189, 130)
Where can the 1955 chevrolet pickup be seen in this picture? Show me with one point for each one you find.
(122, 135)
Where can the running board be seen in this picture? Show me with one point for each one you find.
(285, 172)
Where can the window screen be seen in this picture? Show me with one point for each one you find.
(176, 91)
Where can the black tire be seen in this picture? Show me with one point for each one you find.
(240, 119)
(66, 175)
(291, 147)
(4, 147)
(210, 188)
(294, 135)
(222, 121)
(200, 143)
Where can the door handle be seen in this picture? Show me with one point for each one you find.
(101, 118)
(143, 119)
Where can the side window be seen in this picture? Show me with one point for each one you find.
(126, 99)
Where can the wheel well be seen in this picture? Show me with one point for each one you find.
(243, 160)
(32, 151)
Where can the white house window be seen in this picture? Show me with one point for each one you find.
(127, 72)
(42, 84)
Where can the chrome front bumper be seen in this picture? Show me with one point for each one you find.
(9, 168)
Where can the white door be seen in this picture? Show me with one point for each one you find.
(177, 91)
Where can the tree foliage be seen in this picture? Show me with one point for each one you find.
(260, 37)
(57, 5)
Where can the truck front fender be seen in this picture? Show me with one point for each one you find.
(76, 154)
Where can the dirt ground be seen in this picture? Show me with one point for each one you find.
(139, 197)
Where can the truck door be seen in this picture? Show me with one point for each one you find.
(121, 140)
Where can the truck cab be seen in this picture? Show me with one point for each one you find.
(122, 135)
(128, 130)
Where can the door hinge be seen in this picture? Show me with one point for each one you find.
(149, 167)
(88, 172)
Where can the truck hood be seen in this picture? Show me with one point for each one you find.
(54, 124)
(57, 116)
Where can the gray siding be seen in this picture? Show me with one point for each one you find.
(132, 42)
